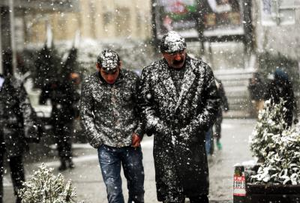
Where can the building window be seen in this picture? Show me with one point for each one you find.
(92, 15)
(123, 28)
(107, 18)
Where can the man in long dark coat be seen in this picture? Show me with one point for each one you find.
(64, 97)
(179, 101)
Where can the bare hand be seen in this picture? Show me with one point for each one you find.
(136, 140)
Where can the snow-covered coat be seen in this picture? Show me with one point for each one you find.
(178, 122)
(109, 113)
(17, 117)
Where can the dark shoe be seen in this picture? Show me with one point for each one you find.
(71, 164)
(199, 199)
(63, 166)
(136, 199)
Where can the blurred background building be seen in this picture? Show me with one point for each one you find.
(94, 19)
(264, 30)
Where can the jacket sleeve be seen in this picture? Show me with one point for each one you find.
(17, 101)
(153, 124)
(211, 103)
(137, 110)
(224, 99)
(87, 117)
(29, 115)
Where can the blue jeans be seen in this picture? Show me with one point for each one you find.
(209, 144)
(111, 159)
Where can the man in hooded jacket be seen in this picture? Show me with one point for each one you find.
(179, 101)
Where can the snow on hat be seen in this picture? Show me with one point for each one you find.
(109, 60)
(172, 42)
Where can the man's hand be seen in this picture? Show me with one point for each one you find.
(185, 133)
(136, 140)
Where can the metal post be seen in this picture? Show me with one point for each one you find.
(200, 27)
(153, 25)
(12, 36)
(248, 28)
(210, 54)
(1, 59)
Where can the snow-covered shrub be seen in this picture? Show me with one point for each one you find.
(277, 147)
(282, 163)
(45, 187)
(270, 122)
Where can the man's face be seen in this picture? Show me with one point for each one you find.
(109, 77)
(75, 78)
(175, 59)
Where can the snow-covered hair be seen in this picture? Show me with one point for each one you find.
(109, 60)
(172, 42)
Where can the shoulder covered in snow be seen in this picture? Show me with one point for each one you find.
(91, 77)
(154, 65)
(129, 74)
(199, 65)
(152, 68)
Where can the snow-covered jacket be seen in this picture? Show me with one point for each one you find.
(17, 116)
(109, 113)
(178, 122)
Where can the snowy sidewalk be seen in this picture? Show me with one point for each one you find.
(87, 179)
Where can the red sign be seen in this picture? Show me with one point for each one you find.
(239, 185)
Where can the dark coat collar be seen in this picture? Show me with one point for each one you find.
(188, 80)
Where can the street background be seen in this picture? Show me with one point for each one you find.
(90, 188)
(258, 43)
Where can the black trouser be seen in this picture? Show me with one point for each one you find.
(199, 199)
(17, 173)
(62, 134)
(218, 124)
(195, 199)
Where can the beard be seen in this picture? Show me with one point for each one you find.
(175, 62)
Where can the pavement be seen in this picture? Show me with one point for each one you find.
(87, 179)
